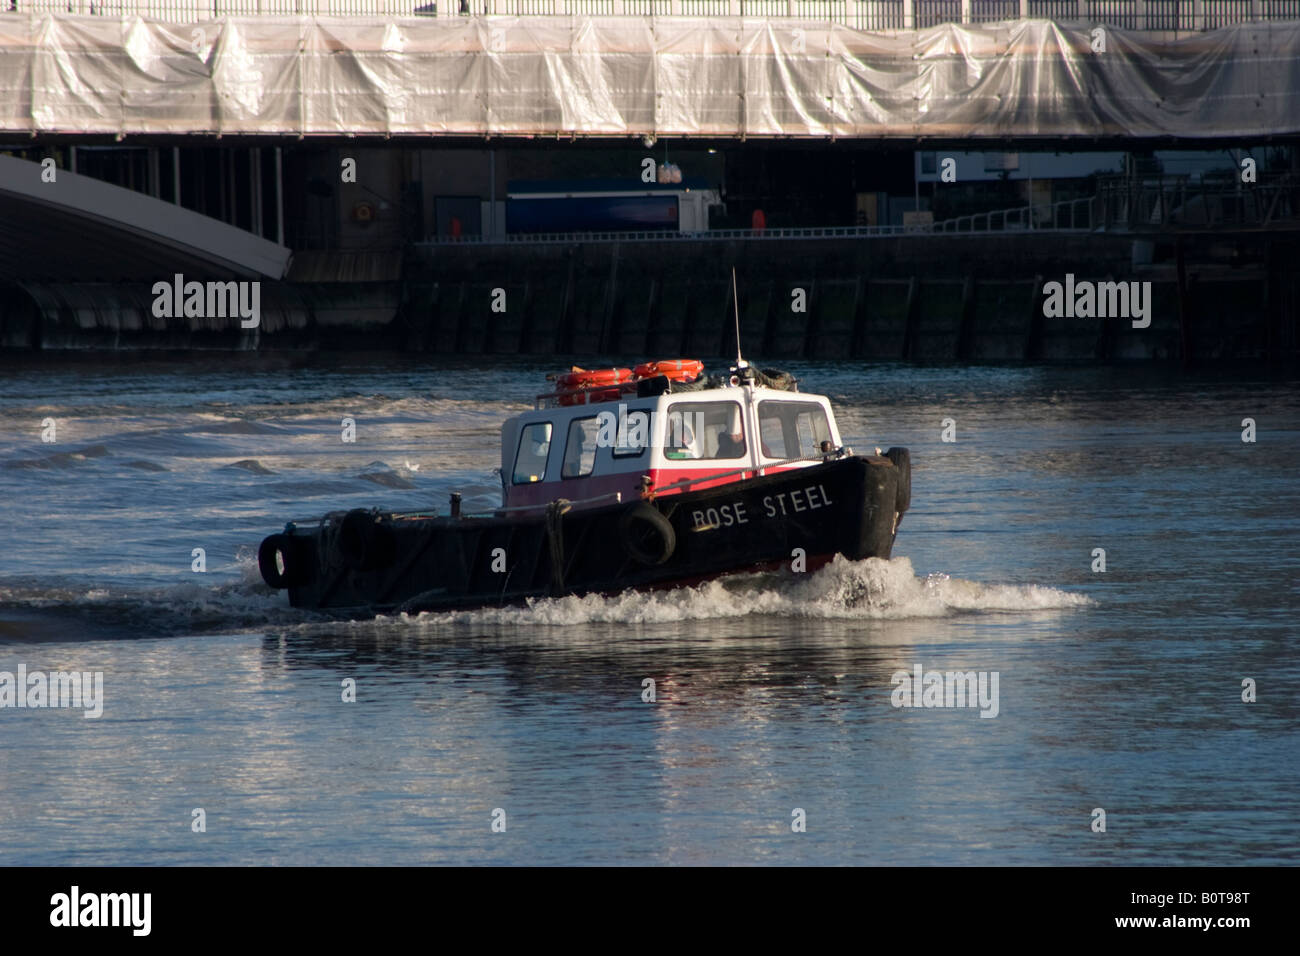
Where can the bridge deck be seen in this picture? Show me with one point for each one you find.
(80, 226)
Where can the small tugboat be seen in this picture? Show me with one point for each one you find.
(652, 477)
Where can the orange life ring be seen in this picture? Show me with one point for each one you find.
(678, 370)
(590, 378)
(576, 385)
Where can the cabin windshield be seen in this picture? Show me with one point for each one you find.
(792, 429)
(534, 448)
(704, 431)
(580, 448)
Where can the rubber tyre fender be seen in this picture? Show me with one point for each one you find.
(648, 537)
(294, 554)
(365, 544)
(876, 535)
(902, 460)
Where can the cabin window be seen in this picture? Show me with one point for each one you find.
(792, 429)
(580, 448)
(704, 431)
(534, 447)
(627, 433)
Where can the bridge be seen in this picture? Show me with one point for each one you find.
(820, 75)
(66, 224)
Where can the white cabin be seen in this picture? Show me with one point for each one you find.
(623, 447)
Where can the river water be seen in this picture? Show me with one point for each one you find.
(773, 736)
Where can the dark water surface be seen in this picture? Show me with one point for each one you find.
(1119, 690)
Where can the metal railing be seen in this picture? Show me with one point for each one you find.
(1164, 15)
(664, 235)
(1181, 202)
(1070, 215)
(1166, 203)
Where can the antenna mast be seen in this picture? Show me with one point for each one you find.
(735, 301)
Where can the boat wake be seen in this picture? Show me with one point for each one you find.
(872, 589)
(849, 590)
(73, 611)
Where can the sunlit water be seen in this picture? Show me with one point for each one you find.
(1119, 690)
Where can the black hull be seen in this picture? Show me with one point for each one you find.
(367, 564)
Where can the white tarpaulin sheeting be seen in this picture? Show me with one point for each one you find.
(510, 76)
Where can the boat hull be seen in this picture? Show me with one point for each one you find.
(366, 563)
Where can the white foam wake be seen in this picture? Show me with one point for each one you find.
(846, 590)
(872, 589)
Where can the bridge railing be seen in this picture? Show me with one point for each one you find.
(1071, 215)
(1181, 202)
(1165, 15)
(1161, 203)
(664, 235)
(1074, 215)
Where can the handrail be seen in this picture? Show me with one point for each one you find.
(1026, 218)
(837, 455)
(1077, 222)
(497, 512)
(665, 235)
(880, 15)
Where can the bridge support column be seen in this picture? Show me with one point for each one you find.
(279, 196)
(1024, 9)
(909, 17)
(255, 191)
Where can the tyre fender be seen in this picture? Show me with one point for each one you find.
(647, 536)
(902, 460)
(285, 561)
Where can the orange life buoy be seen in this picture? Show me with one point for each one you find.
(678, 370)
(576, 385)
(589, 378)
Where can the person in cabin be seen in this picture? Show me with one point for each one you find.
(731, 439)
(730, 446)
(682, 443)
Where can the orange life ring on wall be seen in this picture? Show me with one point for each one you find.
(678, 370)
